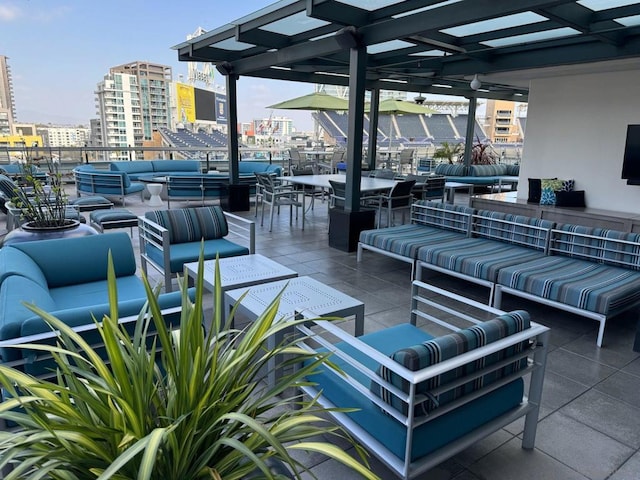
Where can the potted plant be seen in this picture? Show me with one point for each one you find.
(41, 202)
(187, 405)
(448, 151)
(483, 154)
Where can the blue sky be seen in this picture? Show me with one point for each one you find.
(59, 50)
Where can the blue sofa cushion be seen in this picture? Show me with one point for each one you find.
(579, 283)
(174, 166)
(16, 262)
(139, 166)
(191, 224)
(248, 167)
(14, 291)
(446, 215)
(497, 169)
(513, 170)
(391, 433)
(95, 293)
(446, 347)
(59, 271)
(181, 253)
(451, 169)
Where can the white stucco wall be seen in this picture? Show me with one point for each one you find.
(576, 128)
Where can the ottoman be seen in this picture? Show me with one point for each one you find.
(88, 204)
(103, 220)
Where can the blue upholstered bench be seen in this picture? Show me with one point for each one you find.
(432, 397)
(171, 238)
(431, 223)
(593, 272)
(497, 240)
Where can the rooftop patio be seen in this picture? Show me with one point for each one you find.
(590, 417)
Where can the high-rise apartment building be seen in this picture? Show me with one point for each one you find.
(64, 136)
(502, 124)
(133, 102)
(7, 106)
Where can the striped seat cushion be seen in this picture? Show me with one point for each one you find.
(476, 257)
(405, 240)
(448, 346)
(191, 224)
(451, 169)
(586, 285)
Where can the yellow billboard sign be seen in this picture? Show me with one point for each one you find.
(186, 103)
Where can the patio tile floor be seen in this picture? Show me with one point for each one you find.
(590, 418)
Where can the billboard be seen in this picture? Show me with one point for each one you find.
(221, 108)
(186, 103)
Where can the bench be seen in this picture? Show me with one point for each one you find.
(415, 400)
(479, 175)
(593, 272)
(171, 238)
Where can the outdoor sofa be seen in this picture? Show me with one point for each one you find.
(158, 168)
(480, 175)
(414, 399)
(171, 238)
(67, 278)
(592, 272)
(92, 181)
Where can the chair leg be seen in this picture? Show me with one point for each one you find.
(271, 216)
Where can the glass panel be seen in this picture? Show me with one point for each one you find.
(629, 21)
(370, 5)
(263, 11)
(232, 44)
(429, 53)
(294, 24)
(532, 37)
(598, 5)
(524, 18)
(424, 9)
(388, 46)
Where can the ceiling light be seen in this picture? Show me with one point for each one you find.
(475, 83)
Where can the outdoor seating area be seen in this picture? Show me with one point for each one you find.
(586, 390)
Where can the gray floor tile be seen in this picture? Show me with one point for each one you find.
(580, 447)
(622, 386)
(630, 470)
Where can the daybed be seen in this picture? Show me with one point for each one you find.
(171, 238)
(67, 278)
(487, 175)
(592, 272)
(92, 181)
(414, 400)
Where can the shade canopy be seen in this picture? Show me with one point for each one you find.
(314, 101)
(396, 106)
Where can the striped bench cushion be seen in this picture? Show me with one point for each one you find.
(451, 169)
(586, 285)
(192, 224)
(442, 215)
(448, 346)
(609, 246)
(508, 227)
(488, 170)
(405, 240)
(476, 257)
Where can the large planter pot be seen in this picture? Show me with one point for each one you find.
(29, 233)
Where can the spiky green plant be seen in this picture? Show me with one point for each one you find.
(187, 405)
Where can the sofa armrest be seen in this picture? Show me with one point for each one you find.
(243, 228)
(154, 235)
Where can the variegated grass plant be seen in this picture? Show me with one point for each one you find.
(185, 405)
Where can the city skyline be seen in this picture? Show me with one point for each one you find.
(55, 74)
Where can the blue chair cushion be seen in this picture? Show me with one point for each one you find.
(16, 262)
(191, 224)
(96, 293)
(448, 346)
(181, 253)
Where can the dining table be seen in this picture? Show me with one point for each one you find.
(367, 184)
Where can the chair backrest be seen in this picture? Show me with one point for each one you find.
(191, 224)
(406, 155)
(266, 181)
(337, 156)
(401, 193)
(338, 193)
(294, 154)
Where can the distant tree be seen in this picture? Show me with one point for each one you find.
(448, 151)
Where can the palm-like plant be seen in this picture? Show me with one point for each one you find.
(448, 151)
(184, 405)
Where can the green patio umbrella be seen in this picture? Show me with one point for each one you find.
(317, 101)
(395, 106)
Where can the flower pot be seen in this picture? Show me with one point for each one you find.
(29, 232)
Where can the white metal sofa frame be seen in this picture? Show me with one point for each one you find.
(99, 181)
(536, 338)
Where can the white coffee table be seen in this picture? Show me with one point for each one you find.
(240, 272)
(301, 293)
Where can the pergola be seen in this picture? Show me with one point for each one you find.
(426, 46)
